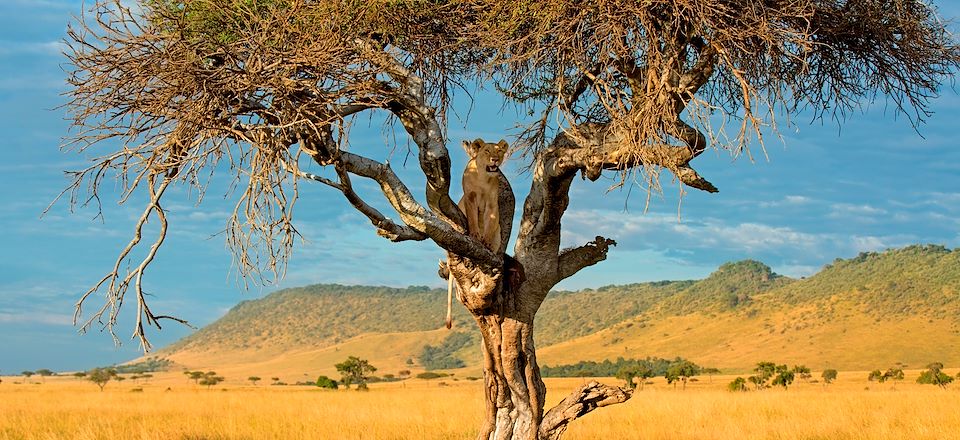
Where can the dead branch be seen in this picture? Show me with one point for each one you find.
(573, 260)
(587, 398)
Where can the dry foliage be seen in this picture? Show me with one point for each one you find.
(185, 86)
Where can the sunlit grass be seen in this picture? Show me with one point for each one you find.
(850, 409)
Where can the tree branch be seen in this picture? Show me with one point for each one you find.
(118, 281)
(582, 401)
(385, 227)
(418, 218)
(573, 260)
(420, 120)
(592, 148)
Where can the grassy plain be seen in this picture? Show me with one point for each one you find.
(852, 408)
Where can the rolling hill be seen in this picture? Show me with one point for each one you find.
(898, 307)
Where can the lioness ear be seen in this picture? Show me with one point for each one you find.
(504, 147)
(470, 148)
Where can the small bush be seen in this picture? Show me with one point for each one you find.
(326, 382)
(431, 375)
(737, 385)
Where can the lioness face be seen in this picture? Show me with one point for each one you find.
(487, 156)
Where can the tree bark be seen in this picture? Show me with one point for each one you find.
(513, 388)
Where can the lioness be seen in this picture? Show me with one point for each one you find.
(480, 201)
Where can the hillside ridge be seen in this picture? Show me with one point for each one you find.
(871, 305)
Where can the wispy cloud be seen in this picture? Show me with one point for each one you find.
(789, 200)
(716, 240)
(847, 210)
(43, 318)
(16, 48)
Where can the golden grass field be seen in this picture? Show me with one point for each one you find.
(851, 408)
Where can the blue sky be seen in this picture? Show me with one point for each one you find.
(827, 191)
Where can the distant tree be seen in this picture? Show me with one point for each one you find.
(829, 375)
(44, 373)
(764, 372)
(934, 375)
(100, 376)
(738, 384)
(326, 382)
(876, 375)
(195, 376)
(27, 374)
(403, 374)
(783, 376)
(210, 379)
(802, 372)
(710, 371)
(681, 371)
(254, 380)
(275, 380)
(355, 371)
(757, 382)
(80, 374)
(640, 371)
(627, 374)
(894, 375)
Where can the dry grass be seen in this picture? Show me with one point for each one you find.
(70, 409)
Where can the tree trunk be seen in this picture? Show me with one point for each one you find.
(513, 389)
(512, 385)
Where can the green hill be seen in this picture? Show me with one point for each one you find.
(870, 311)
(322, 315)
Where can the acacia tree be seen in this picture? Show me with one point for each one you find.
(266, 89)
(100, 376)
(829, 375)
(355, 371)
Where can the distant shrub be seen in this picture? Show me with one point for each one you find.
(427, 375)
(326, 382)
(737, 385)
(934, 375)
(829, 375)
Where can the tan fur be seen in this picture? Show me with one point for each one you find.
(481, 197)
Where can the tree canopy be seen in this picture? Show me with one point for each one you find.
(635, 86)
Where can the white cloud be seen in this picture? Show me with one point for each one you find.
(947, 200)
(790, 200)
(36, 318)
(868, 244)
(794, 251)
(756, 237)
(847, 210)
(8, 48)
(796, 270)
